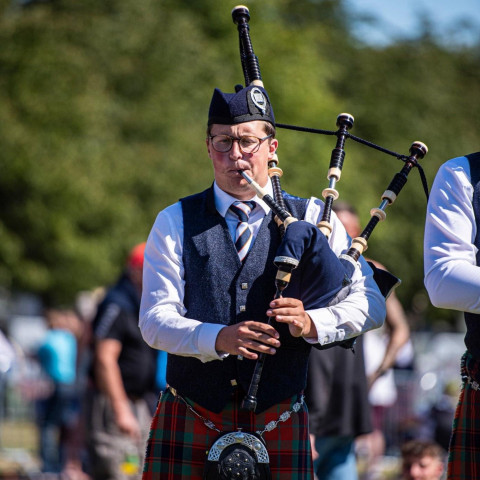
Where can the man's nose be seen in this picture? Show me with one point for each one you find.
(235, 151)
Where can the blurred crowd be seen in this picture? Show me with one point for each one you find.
(93, 381)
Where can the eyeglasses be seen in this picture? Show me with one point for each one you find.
(246, 143)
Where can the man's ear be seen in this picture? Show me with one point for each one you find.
(273, 145)
(207, 142)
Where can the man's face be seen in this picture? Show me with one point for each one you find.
(226, 165)
(424, 468)
(136, 274)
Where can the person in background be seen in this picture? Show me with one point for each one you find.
(209, 281)
(59, 411)
(422, 460)
(7, 362)
(124, 375)
(338, 408)
(452, 280)
(380, 349)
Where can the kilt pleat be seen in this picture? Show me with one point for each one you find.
(464, 449)
(178, 442)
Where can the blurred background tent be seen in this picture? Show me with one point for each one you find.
(103, 113)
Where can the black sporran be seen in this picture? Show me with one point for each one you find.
(237, 455)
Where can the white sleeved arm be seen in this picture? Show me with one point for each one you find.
(452, 277)
(162, 321)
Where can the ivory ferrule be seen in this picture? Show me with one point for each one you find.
(378, 212)
(389, 195)
(284, 276)
(334, 172)
(359, 244)
(325, 227)
(330, 192)
(275, 171)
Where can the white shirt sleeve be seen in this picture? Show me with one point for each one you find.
(452, 278)
(364, 307)
(162, 321)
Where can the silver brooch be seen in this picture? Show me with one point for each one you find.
(259, 100)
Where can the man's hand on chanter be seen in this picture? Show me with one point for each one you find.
(291, 312)
(247, 338)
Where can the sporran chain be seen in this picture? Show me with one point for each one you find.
(268, 427)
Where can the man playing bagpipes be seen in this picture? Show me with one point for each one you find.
(210, 274)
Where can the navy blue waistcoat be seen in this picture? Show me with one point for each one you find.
(220, 289)
(472, 337)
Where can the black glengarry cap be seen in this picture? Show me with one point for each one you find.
(247, 104)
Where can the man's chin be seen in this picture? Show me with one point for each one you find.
(241, 190)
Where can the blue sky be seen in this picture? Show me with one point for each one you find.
(399, 18)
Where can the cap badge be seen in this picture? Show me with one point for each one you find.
(259, 100)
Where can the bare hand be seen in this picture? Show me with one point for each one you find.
(73, 471)
(246, 338)
(315, 453)
(128, 424)
(373, 377)
(291, 312)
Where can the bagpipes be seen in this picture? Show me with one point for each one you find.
(300, 239)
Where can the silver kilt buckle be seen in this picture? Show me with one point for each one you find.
(237, 455)
(247, 439)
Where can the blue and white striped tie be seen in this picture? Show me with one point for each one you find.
(243, 235)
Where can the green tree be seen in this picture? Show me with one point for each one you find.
(104, 110)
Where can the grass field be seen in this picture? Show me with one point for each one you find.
(18, 447)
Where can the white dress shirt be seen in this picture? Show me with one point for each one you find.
(162, 310)
(452, 277)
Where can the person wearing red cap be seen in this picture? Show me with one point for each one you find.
(135, 257)
(123, 374)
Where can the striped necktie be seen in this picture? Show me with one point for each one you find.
(243, 235)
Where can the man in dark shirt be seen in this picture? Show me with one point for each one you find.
(123, 373)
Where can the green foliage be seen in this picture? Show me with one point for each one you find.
(103, 123)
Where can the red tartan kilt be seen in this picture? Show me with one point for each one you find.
(179, 440)
(464, 450)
